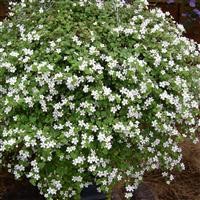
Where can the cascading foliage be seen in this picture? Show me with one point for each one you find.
(94, 91)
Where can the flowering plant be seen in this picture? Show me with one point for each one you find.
(98, 91)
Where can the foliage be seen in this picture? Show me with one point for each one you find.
(94, 91)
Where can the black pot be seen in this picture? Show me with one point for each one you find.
(91, 193)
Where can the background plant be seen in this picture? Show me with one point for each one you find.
(194, 12)
(91, 95)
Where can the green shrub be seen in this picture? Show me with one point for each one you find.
(94, 91)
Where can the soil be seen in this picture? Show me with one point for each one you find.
(11, 189)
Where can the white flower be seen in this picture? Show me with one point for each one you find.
(128, 195)
(51, 191)
(78, 160)
(107, 91)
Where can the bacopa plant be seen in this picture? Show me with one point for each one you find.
(95, 92)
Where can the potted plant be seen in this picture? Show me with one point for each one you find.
(94, 91)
